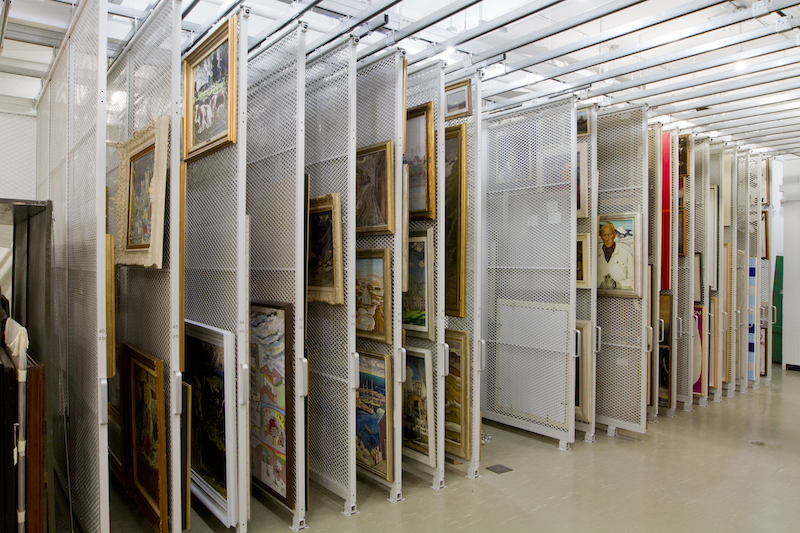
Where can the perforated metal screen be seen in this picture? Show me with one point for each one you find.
(654, 257)
(622, 188)
(275, 160)
(531, 230)
(684, 300)
(701, 179)
(715, 248)
(730, 233)
(754, 274)
(742, 265)
(43, 146)
(330, 163)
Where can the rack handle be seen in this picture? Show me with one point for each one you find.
(302, 383)
(103, 407)
(650, 338)
(445, 364)
(177, 378)
(401, 374)
(599, 339)
(725, 322)
(244, 370)
(578, 343)
(710, 323)
(483, 354)
(774, 317)
(354, 368)
(662, 330)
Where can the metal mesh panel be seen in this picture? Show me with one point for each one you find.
(530, 308)
(18, 164)
(754, 278)
(43, 146)
(701, 170)
(685, 301)
(742, 262)
(715, 248)
(622, 149)
(81, 297)
(729, 236)
(654, 210)
(273, 153)
(328, 163)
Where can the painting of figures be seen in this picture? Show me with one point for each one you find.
(374, 294)
(210, 97)
(417, 301)
(375, 189)
(139, 207)
(271, 397)
(418, 406)
(325, 272)
(374, 415)
(457, 398)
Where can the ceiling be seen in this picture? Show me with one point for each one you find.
(724, 69)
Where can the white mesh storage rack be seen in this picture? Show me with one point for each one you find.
(587, 298)
(716, 279)
(754, 268)
(622, 356)
(529, 380)
(701, 239)
(427, 85)
(768, 312)
(380, 117)
(333, 368)
(672, 375)
(275, 198)
(742, 265)
(684, 300)
(730, 233)
(471, 321)
(654, 260)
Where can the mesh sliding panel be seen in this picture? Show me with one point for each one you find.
(685, 301)
(43, 146)
(622, 187)
(754, 278)
(329, 163)
(742, 264)
(530, 309)
(730, 238)
(700, 194)
(654, 253)
(716, 277)
(273, 155)
(83, 434)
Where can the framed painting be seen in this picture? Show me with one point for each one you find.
(186, 456)
(764, 232)
(210, 93)
(375, 189)
(765, 180)
(458, 100)
(681, 193)
(584, 398)
(665, 352)
(584, 262)
(141, 196)
(619, 255)
(374, 294)
(146, 430)
(699, 355)
(374, 440)
(420, 156)
(418, 317)
(457, 398)
(697, 288)
(683, 155)
(418, 406)
(211, 371)
(713, 232)
(582, 207)
(325, 271)
(455, 219)
(111, 308)
(666, 210)
(713, 344)
(682, 232)
(404, 229)
(726, 348)
(582, 116)
(272, 399)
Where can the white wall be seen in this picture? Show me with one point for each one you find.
(791, 261)
(18, 160)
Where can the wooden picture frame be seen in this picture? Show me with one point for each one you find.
(614, 276)
(458, 100)
(210, 108)
(325, 270)
(272, 365)
(146, 428)
(455, 220)
(584, 127)
(697, 288)
(682, 232)
(700, 354)
(375, 415)
(404, 229)
(714, 236)
(582, 184)
(375, 189)
(764, 232)
(584, 397)
(683, 154)
(584, 262)
(418, 315)
(211, 372)
(418, 406)
(665, 352)
(141, 196)
(374, 294)
(420, 155)
(457, 439)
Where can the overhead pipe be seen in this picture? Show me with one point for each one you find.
(351, 22)
(748, 111)
(793, 134)
(625, 29)
(223, 11)
(4, 22)
(736, 105)
(763, 129)
(300, 9)
(363, 29)
(747, 122)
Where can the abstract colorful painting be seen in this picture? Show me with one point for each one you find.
(374, 449)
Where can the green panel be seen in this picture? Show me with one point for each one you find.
(777, 301)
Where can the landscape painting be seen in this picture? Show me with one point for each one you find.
(458, 99)
(420, 155)
(583, 122)
(374, 448)
(418, 299)
(325, 271)
(455, 219)
(418, 405)
(375, 189)
(139, 207)
(457, 397)
(374, 294)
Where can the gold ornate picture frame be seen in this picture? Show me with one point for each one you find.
(141, 196)
(455, 219)
(458, 100)
(325, 270)
(375, 189)
(374, 294)
(420, 155)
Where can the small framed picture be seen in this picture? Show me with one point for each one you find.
(683, 154)
(325, 272)
(619, 255)
(583, 122)
(682, 232)
(584, 262)
(375, 189)
(458, 100)
(418, 319)
(374, 294)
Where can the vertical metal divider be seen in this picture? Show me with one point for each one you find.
(729, 176)
(715, 165)
(768, 268)
(100, 266)
(685, 282)
(742, 266)
(479, 254)
(593, 242)
(674, 222)
(242, 490)
(176, 265)
(701, 243)
(754, 268)
(350, 281)
(656, 190)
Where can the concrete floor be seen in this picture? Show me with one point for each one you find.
(732, 466)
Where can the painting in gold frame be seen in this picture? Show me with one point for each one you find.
(458, 100)
(325, 271)
(682, 232)
(210, 93)
(420, 155)
(582, 118)
(457, 395)
(375, 189)
(726, 348)
(144, 379)
(584, 398)
(375, 415)
(583, 270)
(374, 294)
(455, 219)
(141, 195)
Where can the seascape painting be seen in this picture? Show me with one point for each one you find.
(139, 206)
(457, 385)
(455, 220)
(373, 294)
(418, 405)
(210, 91)
(373, 415)
(375, 189)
